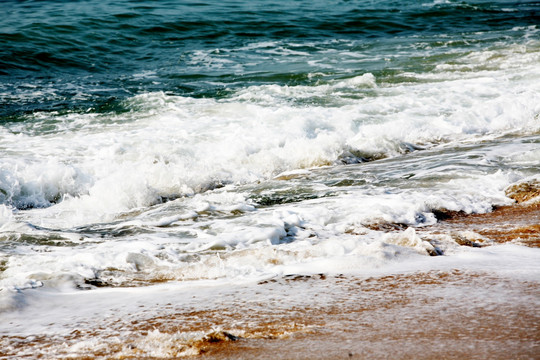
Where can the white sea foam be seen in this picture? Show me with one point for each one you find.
(121, 168)
(176, 188)
(79, 309)
(258, 243)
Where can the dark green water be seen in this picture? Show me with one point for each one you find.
(74, 55)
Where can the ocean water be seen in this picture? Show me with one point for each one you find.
(182, 142)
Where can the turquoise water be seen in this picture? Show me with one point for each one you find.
(80, 55)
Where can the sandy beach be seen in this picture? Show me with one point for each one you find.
(452, 314)
(449, 313)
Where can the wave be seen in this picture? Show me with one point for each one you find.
(68, 50)
(167, 146)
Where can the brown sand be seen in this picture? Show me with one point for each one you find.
(403, 317)
(456, 314)
(519, 223)
(430, 315)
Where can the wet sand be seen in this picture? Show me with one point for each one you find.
(408, 321)
(518, 224)
(456, 314)
(444, 314)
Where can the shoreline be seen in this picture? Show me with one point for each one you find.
(432, 327)
(439, 314)
(518, 223)
(446, 313)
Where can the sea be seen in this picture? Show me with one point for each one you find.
(168, 147)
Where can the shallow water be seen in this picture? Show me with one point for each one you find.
(150, 142)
